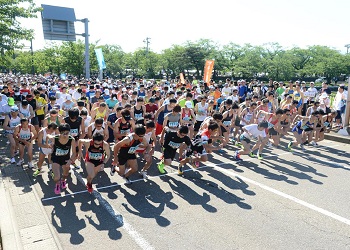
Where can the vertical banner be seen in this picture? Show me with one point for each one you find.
(208, 70)
(100, 59)
(182, 78)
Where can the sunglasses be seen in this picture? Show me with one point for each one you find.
(65, 133)
(97, 144)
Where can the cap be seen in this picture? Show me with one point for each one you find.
(106, 92)
(69, 97)
(152, 100)
(11, 101)
(324, 95)
(14, 108)
(188, 104)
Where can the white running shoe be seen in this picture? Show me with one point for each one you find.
(20, 162)
(313, 143)
(13, 160)
(144, 174)
(30, 165)
(50, 167)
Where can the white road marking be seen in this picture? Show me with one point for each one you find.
(287, 196)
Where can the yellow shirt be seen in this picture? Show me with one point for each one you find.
(40, 102)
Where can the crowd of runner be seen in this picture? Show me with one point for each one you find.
(120, 120)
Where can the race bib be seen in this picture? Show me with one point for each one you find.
(95, 156)
(25, 136)
(74, 132)
(61, 152)
(226, 123)
(132, 150)
(126, 131)
(173, 124)
(138, 117)
(174, 145)
(270, 125)
(326, 124)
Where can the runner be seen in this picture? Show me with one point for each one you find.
(252, 131)
(125, 153)
(201, 110)
(201, 146)
(98, 127)
(45, 147)
(172, 142)
(124, 125)
(160, 114)
(10, 123)
(61, 156)
(97, 155)
(188, 117)
(138, 111)
(25, 134)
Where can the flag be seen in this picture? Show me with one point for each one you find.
(208, 69)
(100, 59)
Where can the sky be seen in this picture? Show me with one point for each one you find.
(127, 23)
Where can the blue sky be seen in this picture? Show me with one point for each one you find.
(128, 23)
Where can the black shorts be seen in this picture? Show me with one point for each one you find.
(124, 157)
(41, 119)
(2, 122)
(243, 138)
(196, 149)
(169, 153)
(59, 160)
(272, 131)
(34, 121)
(338, 117)
(197, 125)
(223, 130)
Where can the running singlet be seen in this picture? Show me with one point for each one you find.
(74, 126)
(24, 112)
(132, 147)
(138, 114)
(124, 128)
(25, 134)
(60, 152)
(13, 123)
(95, 155)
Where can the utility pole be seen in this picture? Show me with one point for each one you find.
(147, 42)
(32, 55)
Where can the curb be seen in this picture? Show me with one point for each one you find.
(337, 138)
(9, 231)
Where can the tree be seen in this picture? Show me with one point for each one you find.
(10, 27)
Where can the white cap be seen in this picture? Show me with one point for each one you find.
(54, 87)
(123, 89)
(106, 91)
(324, 95)
(188, 104)
(69, 97)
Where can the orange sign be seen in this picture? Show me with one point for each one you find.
(208, 70)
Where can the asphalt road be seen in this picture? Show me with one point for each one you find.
(289, 200)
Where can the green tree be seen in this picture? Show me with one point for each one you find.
(10, 27)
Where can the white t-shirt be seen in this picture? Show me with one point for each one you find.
(313, 92)
(226, 91)
(253, 129)
(234, 98)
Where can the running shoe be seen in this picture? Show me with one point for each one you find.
(302, 147)
(16, 152)
(51, 174)
(196, 163)
(161, 167)
(260, 157)
(112, 172)
(238, 156)
(221, 151)
(251, 154)
(233, 141)
(63, 184)
(290, 145)
(313, 143)
(127, 180)
(144, 174)
(13, 160)
(180, 170)
(89, 187)
(239, 144)
(269, 144)
(36, 173)
(50, 166)
(57, 189)
(30, 165)
(20, 162)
